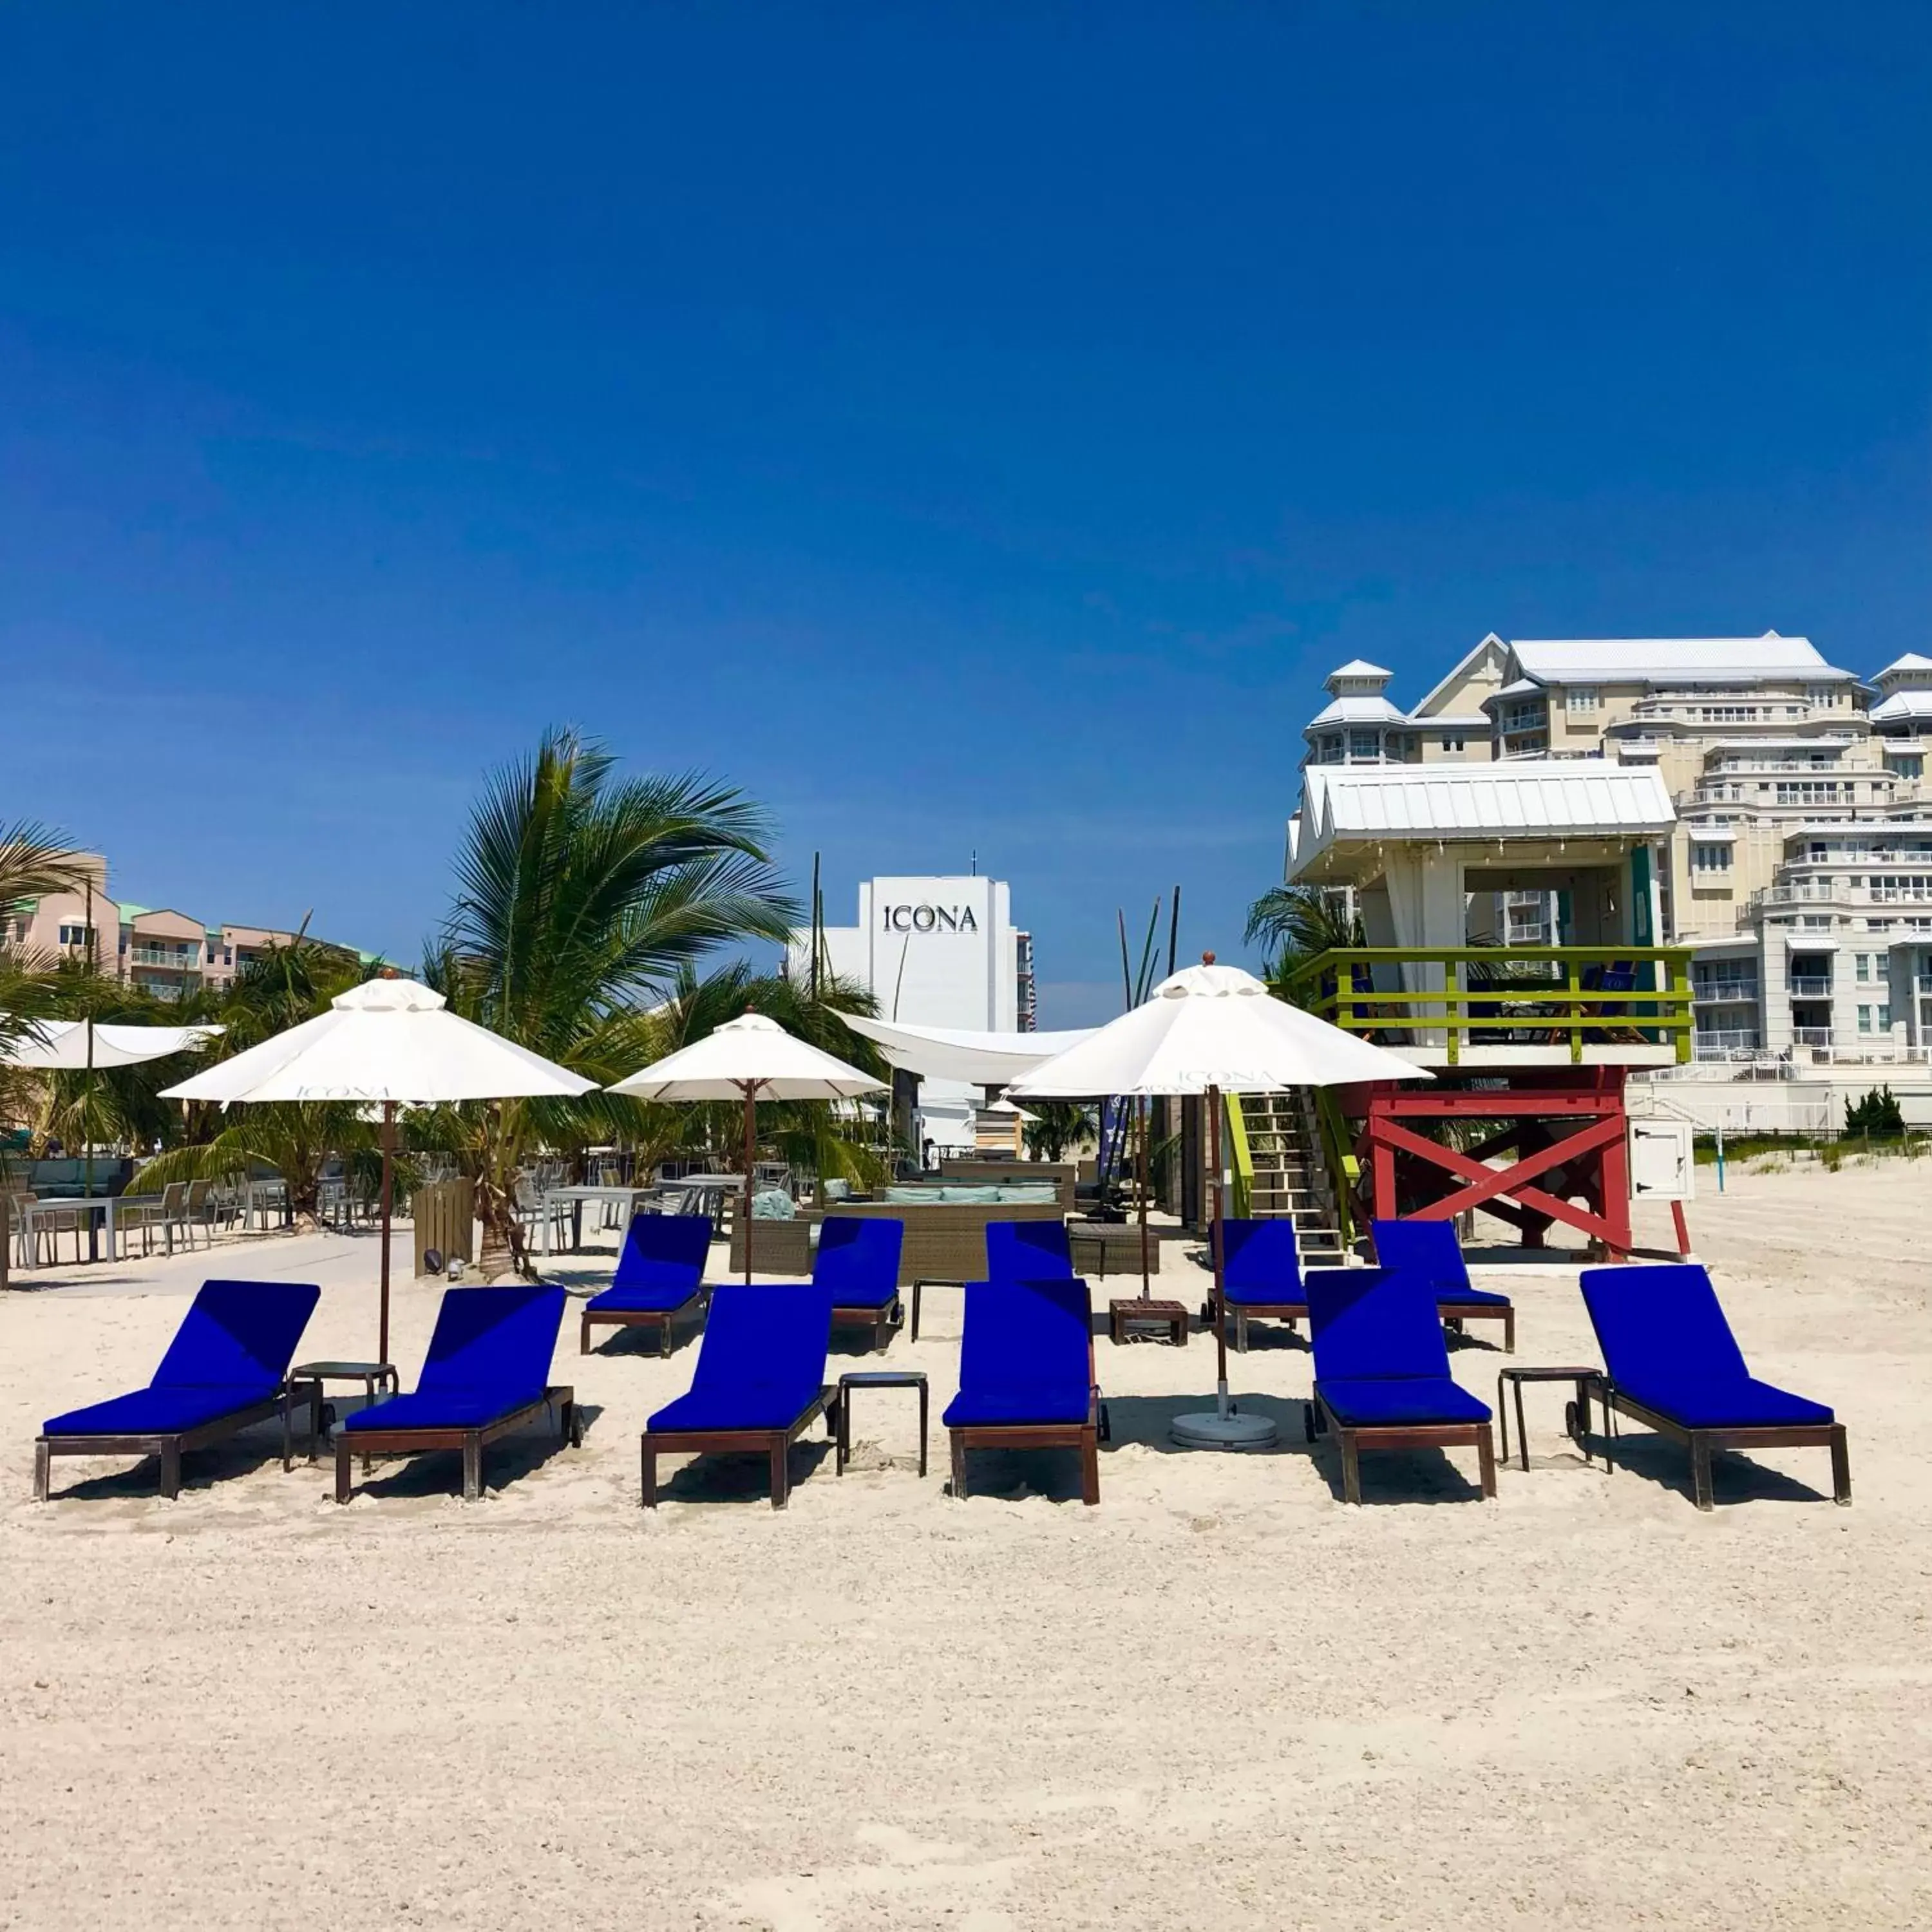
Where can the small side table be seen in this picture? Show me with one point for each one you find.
(1133, 1311)
(376, 1377)
(877, 1378)
(1585, 1379)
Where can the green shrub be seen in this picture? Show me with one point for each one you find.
(1876, 1116)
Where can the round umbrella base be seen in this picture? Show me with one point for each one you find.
(1207, 1430)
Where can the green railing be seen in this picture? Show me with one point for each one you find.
(1557, 996)
(1345, 1171)
(1240, 1158)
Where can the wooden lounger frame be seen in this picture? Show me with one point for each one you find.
(1084, 1436)
(1354, 1438)
(1701, 1442)
(169, 1447)
(775, 1443)
(662, 1319)
(1452, 1314)
(367, 1442)
(883, 1321)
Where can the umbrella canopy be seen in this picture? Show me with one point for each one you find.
(1213, 1030)
(62, 1045)
(1210, 1026)
(750, 1059)
(388, 1040)
(391, 1040)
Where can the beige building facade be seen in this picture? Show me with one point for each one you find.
(1800, 863)
(159, 950)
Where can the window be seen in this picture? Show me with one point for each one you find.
(1822, 697)
(1527, 715)
(1862, 964)
(1450, 744)
(1365, 744)
(1816, 921)
(75, 935)
(1807, 791)
(1581, 697)
(1905, 764)
(1864, 1019)
(1710, 858)
(1883, 1010)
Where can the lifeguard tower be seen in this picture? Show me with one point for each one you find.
(1509, 913)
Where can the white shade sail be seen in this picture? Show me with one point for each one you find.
(386, 1040)
(977, 1059)
(60, 1046)
(1211, 1026)
(751, 1055)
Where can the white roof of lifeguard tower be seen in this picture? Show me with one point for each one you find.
(1543, 798)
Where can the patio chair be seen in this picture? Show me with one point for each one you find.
(487, 1372)
(1026, 1376)
(858, 1260)
(660, 1275)
(759, 1385)
(1429, 1249)
(1673, 1363)
(226, 1367)
(1261, 1276)
(1381, 1373)
(1016, 1251)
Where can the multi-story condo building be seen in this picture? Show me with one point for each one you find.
(1800, 866)
(163, 951)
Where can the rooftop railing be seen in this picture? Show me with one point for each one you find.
(1574, 1002)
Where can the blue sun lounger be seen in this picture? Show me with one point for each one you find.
(759, 1385)
(858, 1260)
(1016, 1251)
(659, 1275)
(1026, 1376)
(487, 1372)
(1673, 1363)
(1381, 1373)
(1261, 1275)
(227, 1366)
(1430, 1250)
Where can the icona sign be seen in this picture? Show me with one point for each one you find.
(928, 919)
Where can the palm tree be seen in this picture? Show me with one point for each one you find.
(580, 898)
(1295, 924)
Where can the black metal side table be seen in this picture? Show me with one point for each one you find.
(376, 1377)
(877, 1378)
(1585, 1379)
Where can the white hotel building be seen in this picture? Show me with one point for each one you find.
(1800, 866)
(939, 951)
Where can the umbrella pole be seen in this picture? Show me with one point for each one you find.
(751, 1148)
(388, 1152)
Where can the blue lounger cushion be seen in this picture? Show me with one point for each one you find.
(232, 1351)
(1027, 1354)
(1261, 1264)
(761, 1364)
(662, 1269)
(1667, 1345)
(1381, 1360)
(858, 1260)
(1028, 1251)
(157, 1412)
(489, 1356)
(1430, 1250)
(1388, 1403)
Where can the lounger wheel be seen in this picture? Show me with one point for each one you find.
(1206, 1315)
(1573, 1423)
(1106, 1429)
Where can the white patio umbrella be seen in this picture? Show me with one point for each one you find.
(749, 1059)
(390, 1041)
(90, 1046)
(1213, 1030)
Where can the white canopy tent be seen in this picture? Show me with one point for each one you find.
(977, 1059)
(1211, 1030)
(65, 1045)
(750, 1059)
(391, 1042)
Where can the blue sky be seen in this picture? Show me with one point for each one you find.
(968, 430)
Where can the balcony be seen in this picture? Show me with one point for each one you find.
(1726, 993)
(1809, 986)
(159, 955)
(1811, 1036)
(1533, 1006)
(1842, 892)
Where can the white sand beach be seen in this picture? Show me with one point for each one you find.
(1220, 1699)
